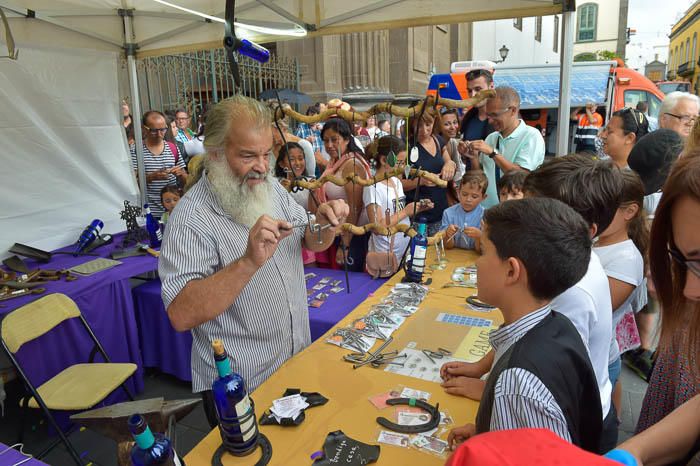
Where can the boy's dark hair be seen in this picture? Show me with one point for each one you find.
(511, 181)
(593, 188)
(475, 178)
(550, 238)
(476, 74)
(633, 121)
(171, 188)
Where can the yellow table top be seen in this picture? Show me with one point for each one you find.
(320, 368)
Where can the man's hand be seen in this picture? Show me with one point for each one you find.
(448, 170)
(333, 212)
(159, 175)
(481, 146)
(456, 369)
(460, 434)
(263, 239)
(467, 387)
(178, 171)
(472, 232)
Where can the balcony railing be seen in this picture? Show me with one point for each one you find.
(686, 69)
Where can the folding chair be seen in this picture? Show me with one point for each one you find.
(75, 388)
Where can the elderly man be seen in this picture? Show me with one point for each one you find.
(678, 112)
(512, 146)
(182, 121)
(231, 262)
(161, 160)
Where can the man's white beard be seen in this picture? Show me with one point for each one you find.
(245, 204)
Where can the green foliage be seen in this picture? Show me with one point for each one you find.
(600, 55)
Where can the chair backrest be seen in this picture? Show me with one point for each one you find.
(35, 319)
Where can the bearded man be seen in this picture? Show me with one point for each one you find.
(231, 263)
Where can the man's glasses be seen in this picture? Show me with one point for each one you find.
(182, 118)
(685, 119)
(156, 130)
(691, 264)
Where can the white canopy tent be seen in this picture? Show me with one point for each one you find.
(154, 27)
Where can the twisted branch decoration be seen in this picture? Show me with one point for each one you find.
(384, 107)
(338, 181)
(378, 229)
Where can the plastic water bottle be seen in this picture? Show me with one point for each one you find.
(155, 236)
(253, 50)
(237, 423)
(89, 234)
(150, 448)
(419, 249)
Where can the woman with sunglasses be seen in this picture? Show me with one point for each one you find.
(622, 132)
(674, 257)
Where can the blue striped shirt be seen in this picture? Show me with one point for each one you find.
(520, 398)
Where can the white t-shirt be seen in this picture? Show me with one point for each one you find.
(588, 306)
(385, 196)
(624, 262)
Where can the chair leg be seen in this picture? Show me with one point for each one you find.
(24, 411)
(66, 442)
(128, 393)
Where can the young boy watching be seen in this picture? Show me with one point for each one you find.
(593, 188)
(510, 185)
(532, 251)
(462, 222)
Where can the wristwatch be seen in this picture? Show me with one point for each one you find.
(494, 153)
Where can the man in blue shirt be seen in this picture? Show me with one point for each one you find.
(462, 222)
(512, 146)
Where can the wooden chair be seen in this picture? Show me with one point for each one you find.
(75, 388)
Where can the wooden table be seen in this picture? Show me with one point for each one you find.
(319, 368)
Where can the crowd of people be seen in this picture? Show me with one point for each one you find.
(565, 248)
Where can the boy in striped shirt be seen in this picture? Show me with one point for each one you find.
(532, 251)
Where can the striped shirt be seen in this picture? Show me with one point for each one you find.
(154, 163)
(269, 320)
(520, 398)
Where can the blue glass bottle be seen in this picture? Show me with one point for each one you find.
(150, 448)
(89, 235)
(419, 249)
(155, 236)
(237, 423)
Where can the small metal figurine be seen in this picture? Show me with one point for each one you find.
(134, 233)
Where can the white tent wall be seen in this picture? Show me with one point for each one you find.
(65, 157)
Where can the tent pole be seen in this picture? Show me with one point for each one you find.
(130, 50)
(567, 64)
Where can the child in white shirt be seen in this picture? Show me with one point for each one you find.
(620, 249)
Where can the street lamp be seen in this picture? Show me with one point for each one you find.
(504, 54)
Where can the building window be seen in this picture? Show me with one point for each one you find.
(675, 62)
(695, 47)
(687, 50)
(538, 29)
(587, 22)
(681, 58)
(670, 60)
(555, 44)
(518, 23)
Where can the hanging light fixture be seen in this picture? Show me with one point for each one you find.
(295, 31)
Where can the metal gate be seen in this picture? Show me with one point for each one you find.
(193, 80)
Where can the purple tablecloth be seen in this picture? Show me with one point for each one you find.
(105, 301)
(337, 305)
(12, 456)
(164, 348)
(161, 345)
